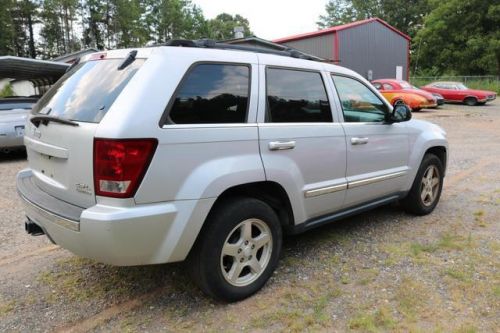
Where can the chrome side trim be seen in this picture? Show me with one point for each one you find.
(61, 221)
(377, 179)
(325, 190)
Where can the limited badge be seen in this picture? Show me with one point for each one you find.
(84, 188)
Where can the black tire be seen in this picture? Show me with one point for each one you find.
(206, 263)
(470, 101)
(413, 202)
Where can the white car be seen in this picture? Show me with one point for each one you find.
(211, 152)
(13, 114)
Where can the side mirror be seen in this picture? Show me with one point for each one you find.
(401, 112)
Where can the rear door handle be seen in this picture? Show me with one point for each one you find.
(281, 145)
(359, 141)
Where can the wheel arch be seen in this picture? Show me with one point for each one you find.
(441, 152)
(269, 192)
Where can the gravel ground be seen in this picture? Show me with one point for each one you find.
(380, 271)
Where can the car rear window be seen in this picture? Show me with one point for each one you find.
(88, 90)
(12, 106)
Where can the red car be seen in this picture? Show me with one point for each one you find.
(394, 90)
(458, 92)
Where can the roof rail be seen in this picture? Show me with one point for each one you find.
(212, 44)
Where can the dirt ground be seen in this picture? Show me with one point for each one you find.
(380, 271)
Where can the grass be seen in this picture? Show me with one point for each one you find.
(380, 320)
(461, 273)
(7, 307)
(303, 307)
(411, 296)
(479, 218)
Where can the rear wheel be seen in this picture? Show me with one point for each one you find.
(470, 101)
(427, 186)
(238, 250)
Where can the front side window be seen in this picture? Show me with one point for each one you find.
(359, 103)
(212, 93)
(295, 96)
(388, 86)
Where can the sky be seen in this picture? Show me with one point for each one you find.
(269, 19)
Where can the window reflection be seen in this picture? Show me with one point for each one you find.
(212, 93)
(87, 92)
(296, 96)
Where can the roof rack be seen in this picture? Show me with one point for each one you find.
(212, 44)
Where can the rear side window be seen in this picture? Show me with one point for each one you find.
(87, 91)
(295, 96)
(211, 94)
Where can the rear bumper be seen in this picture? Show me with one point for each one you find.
(124, 236)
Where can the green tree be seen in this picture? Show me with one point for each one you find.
(6, 27)
(58, 18)
(222, 26)
(460, 37)
(405, 15)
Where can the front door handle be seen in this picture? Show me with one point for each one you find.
(281, 145)
(359, 141)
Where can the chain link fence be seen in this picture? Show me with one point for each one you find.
(486, 82)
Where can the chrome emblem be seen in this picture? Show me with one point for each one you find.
(36, 132)
(83, 188)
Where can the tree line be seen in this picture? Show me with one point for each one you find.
(451, 37)
(49, 28)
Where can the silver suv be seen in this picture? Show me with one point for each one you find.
(209, 154)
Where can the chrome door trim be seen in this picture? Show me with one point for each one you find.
(335, 188)
(325, 190)
(377, 179)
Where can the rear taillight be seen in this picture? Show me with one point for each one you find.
(120, 165)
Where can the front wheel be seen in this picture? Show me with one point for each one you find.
(426, 189)
(238, 250)
(470, 101)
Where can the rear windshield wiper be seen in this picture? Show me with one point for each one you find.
(45, 119)
(128, 60)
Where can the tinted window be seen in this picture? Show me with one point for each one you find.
(359, 103)
(212, 93)
(87, 91)
(296, 96)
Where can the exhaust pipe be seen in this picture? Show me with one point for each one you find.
(33, 229)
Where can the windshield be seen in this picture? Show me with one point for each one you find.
(461, 86)
(87, 91)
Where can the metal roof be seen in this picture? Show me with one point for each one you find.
(339, 28)
(257, 40)
(31, 69)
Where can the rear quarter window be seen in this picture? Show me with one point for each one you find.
(87, 91)
(212, 93)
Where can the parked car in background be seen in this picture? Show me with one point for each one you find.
(458, 92)
(13, 113)
(398, 90)
(215, 161)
